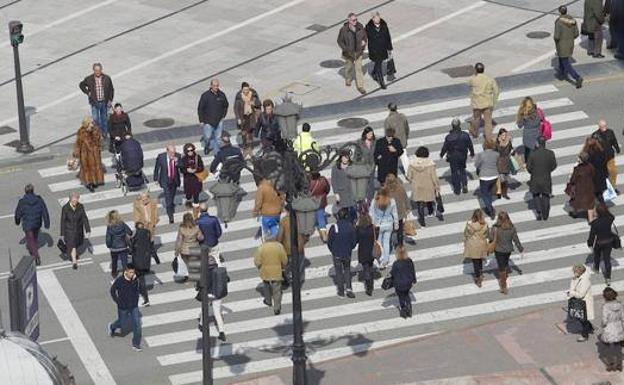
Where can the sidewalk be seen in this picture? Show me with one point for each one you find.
(532, 349)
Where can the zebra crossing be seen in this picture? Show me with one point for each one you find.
(444, 297)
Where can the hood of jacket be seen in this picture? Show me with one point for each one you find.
(614, 306)
(31, 200)
(420, 164)
(568, 20)
(475, 227)
(118, 229)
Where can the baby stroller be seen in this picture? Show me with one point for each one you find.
(128, 164)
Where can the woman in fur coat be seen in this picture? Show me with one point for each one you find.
(87, 150)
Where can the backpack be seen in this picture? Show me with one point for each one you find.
(545, 125)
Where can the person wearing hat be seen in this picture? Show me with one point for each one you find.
(190, 165)
(227, 153)
(457, 145)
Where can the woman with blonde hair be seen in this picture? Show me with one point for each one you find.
(189, 236)
(403, 276)
(505, 236)
(397, 192)
(383, 212)
(580, 287)
(117, 240)
(529, 120)
(476, 237)
(87, 150)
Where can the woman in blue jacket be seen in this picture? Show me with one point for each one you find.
(341, 241)
(117, 236)
(384, 213)
(403, 278)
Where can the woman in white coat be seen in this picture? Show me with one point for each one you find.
(612, 329)
(580, 287)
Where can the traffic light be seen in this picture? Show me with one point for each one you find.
(15, 31)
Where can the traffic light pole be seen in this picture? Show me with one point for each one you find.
(24, 145)
(206, 348)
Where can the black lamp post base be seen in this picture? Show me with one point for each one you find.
(25, 148)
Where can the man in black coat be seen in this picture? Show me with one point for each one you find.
(31, 212)
(606, 137)
(379, 46)
(542, 162)
(131, 155)
(228, 153)
(167, 174)
(125, 293)
(456, 147)
(387, 152)
(99, 87)
(211, 110)
(615, 8)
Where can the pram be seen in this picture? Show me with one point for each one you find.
(128, 164)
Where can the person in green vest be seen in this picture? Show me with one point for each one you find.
(304, 141)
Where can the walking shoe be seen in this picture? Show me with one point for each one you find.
(137, 348)
(403, 313)
(75, 266)
(145, 304)
(579, 83)
(348, 83)
(171, 219)
(264, 301)
(599, 56)
(350, 294)
(277, 312)
(608, 282)
(38, 259)
(465, 190)
(109, 329)
(341, 294)
(362, 90)
(595, 270)
(206, 150)
(581, 339)
(222, 336)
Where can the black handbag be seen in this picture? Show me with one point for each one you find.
(439, 203)
(617, 242)
(61, 246)
(391, 68)
(577, 309)
(219, 282)
(387, 283)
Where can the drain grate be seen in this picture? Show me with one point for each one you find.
(6, 130)
(352, 123)
(332, 64)
(538, 35)
(316, 27)
(459, 72)
(159, 123)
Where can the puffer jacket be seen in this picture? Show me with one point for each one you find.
(31, 211)
(612, 322)
(384, 219)
(117, 237)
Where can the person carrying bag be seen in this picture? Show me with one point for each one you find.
(581, 301)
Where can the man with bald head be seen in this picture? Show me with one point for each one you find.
(610, 145)
(167, 174)
(212, 108)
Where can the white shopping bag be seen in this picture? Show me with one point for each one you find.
(180, 270)
(405, 161)
(609, 194)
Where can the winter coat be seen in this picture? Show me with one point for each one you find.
(283, 236)
(146, 213)
(87, 150)
(271, 259)
(505, 239)
(399, 122)
(615, 8)
(387, 162)
(593, 15)
(384, 219)
(161, 170)
(486, 164)
(351, 43)
(612, 322)
(475, 240)
(125, 292)
(268, 129)
(541, 164)
(74, 223)
(227, 153)
(88, 87)
(504, 157)
(319, 189)
(131, 155)
(457, 145)
(342, 239)
(188, 238)
(269, 203)
(581, 288)
(341, 185)
(483, 91)
(580, 188)
(212, 107)
(608, 141)
(239, 109)
(365, 240)
(566, 31)
(379, 40)
(531, 129)
(367, 154)
(141, 247)
(423, 179)
(192, 184)
(31, 212)
(119, 125)
(117, 237)
(600, 231)
(599, 161)
(403, 274)
(210, 228)
(402, 201)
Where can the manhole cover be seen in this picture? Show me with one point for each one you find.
(14, 143)
(459, 72)
(159, 123)
(298, 88)
(538, 35)
(332, 64)
(6, 130)
(352, 123)
(316, 28)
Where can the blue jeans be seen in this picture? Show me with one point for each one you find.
(459, 178)
(270, 224)
(384, 239)
(485, 191)
(123, 315)
(99, 113)
(212, 135)
(321, 218)
(118, 256)
(565, 68)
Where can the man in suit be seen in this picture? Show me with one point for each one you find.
(167, 174)
(99, 88)
(542, 162)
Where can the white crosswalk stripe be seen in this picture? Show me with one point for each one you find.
(335, 328)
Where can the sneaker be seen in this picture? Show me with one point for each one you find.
(145, 304)
(137, 348)
(222, 336)
(350, 294)
(341, 294)
(109, 329)
(464, 190)
(581, 339)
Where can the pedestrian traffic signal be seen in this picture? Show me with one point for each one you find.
(15, 31)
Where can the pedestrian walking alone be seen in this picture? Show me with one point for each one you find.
(476, 236)
(31, 212)
(424, 182)
(383, 212)
(366, 146)
(341, 241)
(566, 32)
(388, 150)
(379, 46)
(352, 41)
(247, 108)
(528, 119)
(117, 240)
(580, 287)
(341, 185)
(486, 164)
(607, 139)
(305, 141)
(542, 162)
(504, 147)
(167, 174)
(210, 228)
(212, 109)
(483, 97)
(403, 276)
(268, 206)
(612, 333)
(87, 150)
(270, 258)
(365, 234)
(600, 240)
(99, 88)
(189, 237)
(580, 188)
(125, 293)
(593, 18)
(505, 236)
(74, 224)
(457, 145)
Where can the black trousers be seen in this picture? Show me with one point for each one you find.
(542, 204)
(603, 253)
(613, 353)
(459, 178)
(405, 302)
(587, 328)
(477, 266)
(170, 191)
(342, 267)
(367, 275)
(142, 286)
(378, 71)
(502, 259)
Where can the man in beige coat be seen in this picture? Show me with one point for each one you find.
(483, 97)
(271, 259)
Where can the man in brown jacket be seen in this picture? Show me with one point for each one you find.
(352, 40)
(270, 259)
(566, 31)
(268, 206)
(483, 96)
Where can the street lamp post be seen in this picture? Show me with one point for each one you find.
(206, 348)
